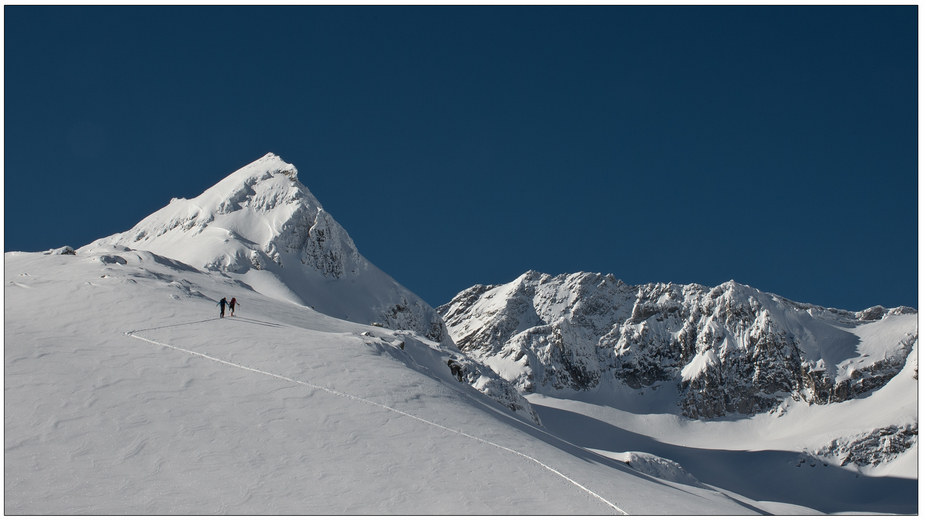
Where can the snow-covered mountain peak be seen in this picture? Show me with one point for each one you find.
(269, 174)
(266, 183)
(252, 217)
(261, 226)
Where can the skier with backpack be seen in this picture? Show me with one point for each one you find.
(231, 305)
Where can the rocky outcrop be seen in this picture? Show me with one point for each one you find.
(728, 349)
(871, 448)
(823, 388)
(487, 382)
(464, 368)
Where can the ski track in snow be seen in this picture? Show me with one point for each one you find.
(133, 334)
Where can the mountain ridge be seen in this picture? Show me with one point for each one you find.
(729, 349)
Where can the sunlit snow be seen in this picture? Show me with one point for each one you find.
(125, 393)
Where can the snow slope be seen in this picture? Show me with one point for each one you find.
(126, 394)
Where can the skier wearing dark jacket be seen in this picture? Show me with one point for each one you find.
(221, 304)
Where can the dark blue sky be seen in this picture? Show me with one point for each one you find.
(773, 145)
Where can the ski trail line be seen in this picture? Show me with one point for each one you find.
(386, 407)
(173, 325)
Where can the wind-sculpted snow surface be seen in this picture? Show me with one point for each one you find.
(261, 226)
(728, 349)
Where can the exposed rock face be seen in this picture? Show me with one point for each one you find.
(728, 349)
(825, 389)
(872, 448)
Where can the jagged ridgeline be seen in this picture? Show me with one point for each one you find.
(728, 349)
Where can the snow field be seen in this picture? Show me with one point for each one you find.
(391, 409)
(313, 417)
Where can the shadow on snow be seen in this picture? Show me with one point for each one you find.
(770, 475)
